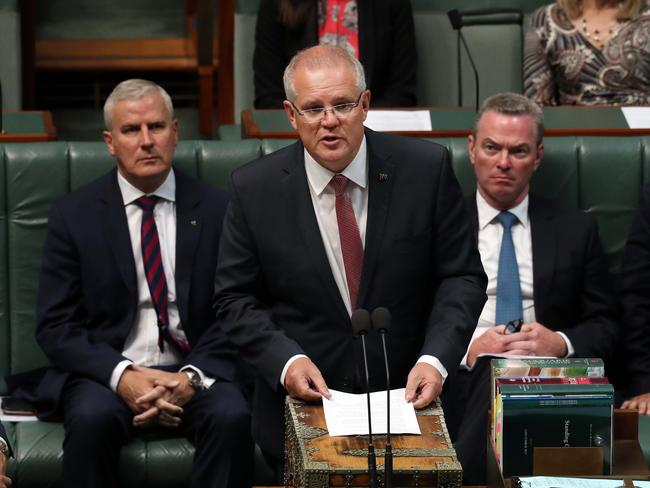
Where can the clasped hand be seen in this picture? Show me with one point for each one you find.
(155, 397)
(534, 339)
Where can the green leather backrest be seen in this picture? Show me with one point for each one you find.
(32, 176)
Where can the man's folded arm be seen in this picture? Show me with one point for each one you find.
(596, 333)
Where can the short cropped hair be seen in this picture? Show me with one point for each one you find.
(629, 9)
(322, 56)
(133, 89)
(512, 104)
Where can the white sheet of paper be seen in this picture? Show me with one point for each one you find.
(347, 413)
(637, 117)
(398, 120)
(642, 484)
(561, 482)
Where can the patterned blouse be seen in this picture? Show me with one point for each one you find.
(338, 24)
(561, 67)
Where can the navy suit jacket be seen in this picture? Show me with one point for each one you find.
(87, 296)
(276, 295)
(571, 284)
(635, 283)
(386, 50)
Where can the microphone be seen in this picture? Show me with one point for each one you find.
(456, 20)
(361, 326)
(381, 321)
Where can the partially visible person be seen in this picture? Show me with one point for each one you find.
(379, 33)
(545, 265)
(635, 292)
(589, 52)
(124, 307)
(5, 453)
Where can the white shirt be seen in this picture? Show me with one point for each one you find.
(141, 345)
(323, 199)
(490, 235)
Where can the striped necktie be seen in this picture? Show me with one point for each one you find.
(155, 273)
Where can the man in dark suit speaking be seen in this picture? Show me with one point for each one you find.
(125, 306)
(343, 219)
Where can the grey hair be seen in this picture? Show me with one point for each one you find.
(512, 104)
(318, 57)
(134, 89)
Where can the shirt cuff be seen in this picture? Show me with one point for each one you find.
(433, 361)
(206, 380)
(286, 366)
(117, 373)
(570, 351)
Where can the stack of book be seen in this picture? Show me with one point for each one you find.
(549, 403)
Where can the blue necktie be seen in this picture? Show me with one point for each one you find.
(508, 285)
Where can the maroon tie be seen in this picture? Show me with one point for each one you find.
(155, 273)
(351, 246)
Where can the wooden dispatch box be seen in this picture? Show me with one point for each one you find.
(313, 459)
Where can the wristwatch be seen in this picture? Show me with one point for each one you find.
(195, 379)
(4, 448)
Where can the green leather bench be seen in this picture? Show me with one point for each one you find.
(599, 175)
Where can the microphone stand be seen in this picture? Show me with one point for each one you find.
(361, 325)
(381, 321)
(388, 455)
(372, 460)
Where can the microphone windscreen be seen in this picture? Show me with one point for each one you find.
(360, 321)
(381, 319)
(455, 18)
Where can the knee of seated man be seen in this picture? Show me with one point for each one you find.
(231, 412)
(94, 417)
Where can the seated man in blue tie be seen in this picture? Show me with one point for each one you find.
(5, 453)
(125, 307)
(545, 265)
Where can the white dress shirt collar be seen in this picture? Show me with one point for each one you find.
(487, 213)
(357, 171)
(130, 193)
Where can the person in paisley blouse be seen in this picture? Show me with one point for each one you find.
(589, 52)
(379, 33)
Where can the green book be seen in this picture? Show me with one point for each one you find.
(561, 420)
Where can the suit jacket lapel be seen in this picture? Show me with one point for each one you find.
(117, 231)
(297, 190)
(188, 231)
(544, 244)
(381, 179)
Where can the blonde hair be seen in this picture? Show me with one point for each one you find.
(630, 9)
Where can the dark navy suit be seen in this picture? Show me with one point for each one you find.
(87, 304)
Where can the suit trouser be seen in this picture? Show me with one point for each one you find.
(98, 423)
(466, 405)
